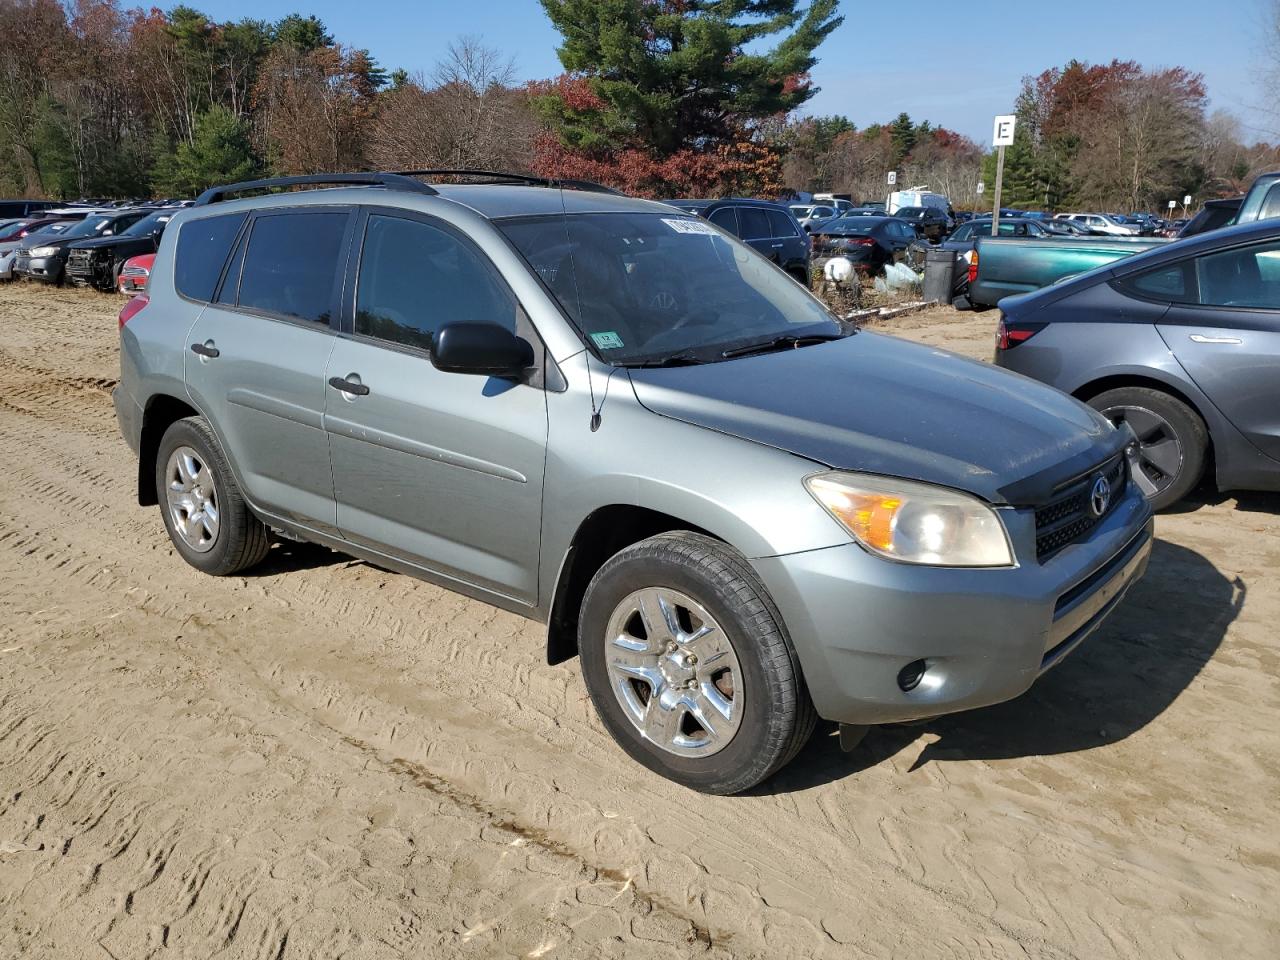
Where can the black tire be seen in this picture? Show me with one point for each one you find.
(1163, 483)
(242, 540)
(779, 716)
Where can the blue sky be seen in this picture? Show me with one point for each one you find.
(935, 63)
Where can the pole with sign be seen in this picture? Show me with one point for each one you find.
(1186, 202)
(1001, 137)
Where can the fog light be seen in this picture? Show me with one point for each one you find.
(909, 676)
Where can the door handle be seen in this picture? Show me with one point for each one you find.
(1201, 338)
(777, 246)
(206, 349)
(349, 386)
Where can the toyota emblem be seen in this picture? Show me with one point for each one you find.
(1100, 496)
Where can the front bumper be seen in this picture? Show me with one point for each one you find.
(38, 268)
(985, 634)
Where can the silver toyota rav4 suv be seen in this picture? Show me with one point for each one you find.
(610, 416)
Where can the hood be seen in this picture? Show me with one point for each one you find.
(99, 243)
(880, 405)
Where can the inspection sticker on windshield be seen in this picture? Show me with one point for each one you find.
(691, 226)
(607, 340)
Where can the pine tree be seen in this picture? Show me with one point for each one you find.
(221, 153)
(667, 75)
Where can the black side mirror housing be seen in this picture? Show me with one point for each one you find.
(481, 348)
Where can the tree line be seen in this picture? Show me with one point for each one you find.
(657, 97)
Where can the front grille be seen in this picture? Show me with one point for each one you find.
(1069, 515)
(80, 263)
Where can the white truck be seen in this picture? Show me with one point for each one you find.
(916, 197)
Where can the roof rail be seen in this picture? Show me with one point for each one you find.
(589, 186)
(392, 180)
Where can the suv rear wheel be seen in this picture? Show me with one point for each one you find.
(689, 666)
(206, 516)
(1172, 440)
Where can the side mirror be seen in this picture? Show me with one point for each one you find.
(480, 348)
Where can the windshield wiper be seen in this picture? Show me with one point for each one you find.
(779, 343)
(675, 360)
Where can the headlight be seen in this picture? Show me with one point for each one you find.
(914, 522)
(42, 251)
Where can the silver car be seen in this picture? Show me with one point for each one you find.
(613, 417)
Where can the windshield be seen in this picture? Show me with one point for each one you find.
(648, 288)
(801, 212)
(148, 223)
(88, 227)
(848, 224)
(910, 213)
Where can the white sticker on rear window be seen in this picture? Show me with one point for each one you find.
(692, 226)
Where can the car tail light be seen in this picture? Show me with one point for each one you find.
(973, 266)
(863, 241)
(1009, 335)
(133, 308)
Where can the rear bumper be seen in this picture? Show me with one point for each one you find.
(985, 635)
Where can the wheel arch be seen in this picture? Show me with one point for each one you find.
(1115, 380)
(600, 535)
(161, 412)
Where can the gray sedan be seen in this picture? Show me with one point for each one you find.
(1182, 343)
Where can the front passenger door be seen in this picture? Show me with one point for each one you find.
(443, 470)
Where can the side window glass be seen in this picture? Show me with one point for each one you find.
(1244, 277)
(1166, 283)
(1270, 204)
(415, 278)
(755, 223)
(203, 246)
(780, 224)
(726, 218)
(290, 264)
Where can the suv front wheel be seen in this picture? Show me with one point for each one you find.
(206, 516)
(689, 666)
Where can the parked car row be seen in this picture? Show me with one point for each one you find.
(85, 246)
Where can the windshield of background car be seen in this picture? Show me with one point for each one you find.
(147, 224)
(910, 213)
(88, 227)
(646, 287)
(801, 212)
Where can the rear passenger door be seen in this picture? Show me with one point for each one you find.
(1226, 334)
(257, 357)
(441, 469)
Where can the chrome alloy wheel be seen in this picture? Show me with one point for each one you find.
(1159, 449)
(192, 499)
(674, 672)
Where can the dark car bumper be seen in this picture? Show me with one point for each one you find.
(985, 635)
(47, 269)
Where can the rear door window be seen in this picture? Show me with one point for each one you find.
(415, 278)
(781, 224)
(203, 246)
(1243, 277)
(291, 264)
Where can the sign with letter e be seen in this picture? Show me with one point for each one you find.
(1003, 135)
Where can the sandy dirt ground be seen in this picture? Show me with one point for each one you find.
(324, 759)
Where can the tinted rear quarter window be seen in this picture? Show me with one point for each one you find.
(291, 263)
(202, 249)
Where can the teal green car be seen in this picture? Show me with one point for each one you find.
(1004, 266)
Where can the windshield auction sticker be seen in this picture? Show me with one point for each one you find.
(608, 340)
(691, 226)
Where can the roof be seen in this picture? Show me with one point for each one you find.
(694, 204)
(496, 200)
